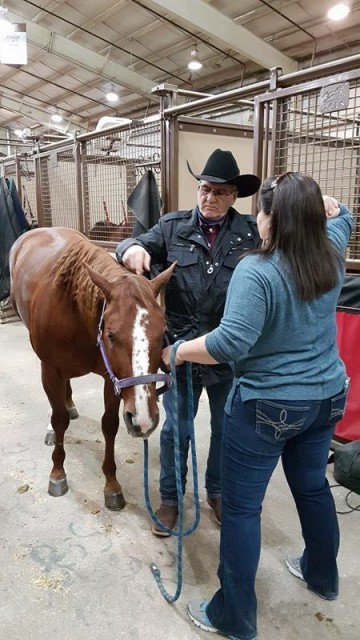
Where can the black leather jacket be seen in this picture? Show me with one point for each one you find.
(195, 294)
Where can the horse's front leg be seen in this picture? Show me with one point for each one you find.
(55, 389)
(72, 410)
(114, 498)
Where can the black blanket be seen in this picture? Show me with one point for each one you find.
(10, 230)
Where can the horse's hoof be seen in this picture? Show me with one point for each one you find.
(58, 487)
(73, 413)
(114, 501)
(50, 438)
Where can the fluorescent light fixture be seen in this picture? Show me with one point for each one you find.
(194, 63)
(56, 117)
(338, 11)
(18, 133)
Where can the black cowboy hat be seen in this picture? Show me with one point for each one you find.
(221, 167)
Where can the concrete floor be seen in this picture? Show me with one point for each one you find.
(72, 570)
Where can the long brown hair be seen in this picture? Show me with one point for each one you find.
(298, 232)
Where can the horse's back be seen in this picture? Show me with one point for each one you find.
(32, 261)
(45, 242)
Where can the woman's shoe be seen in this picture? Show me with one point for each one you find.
(197, 613)
(293, 563)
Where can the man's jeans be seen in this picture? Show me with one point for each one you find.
(217, 394)
(255, 436)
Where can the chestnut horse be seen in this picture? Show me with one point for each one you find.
(60, 285)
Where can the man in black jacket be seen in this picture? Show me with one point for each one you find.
(206, 244)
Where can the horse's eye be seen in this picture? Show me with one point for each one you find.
(110, 335)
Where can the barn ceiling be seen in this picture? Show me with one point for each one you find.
(78, 50)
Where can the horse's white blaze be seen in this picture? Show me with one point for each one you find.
(140, 366)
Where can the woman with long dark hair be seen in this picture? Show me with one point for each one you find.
(289, 392)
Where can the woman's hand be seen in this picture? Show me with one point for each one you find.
(166, 354)
(332, 208)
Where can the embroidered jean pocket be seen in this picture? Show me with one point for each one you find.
(277, 422)
(338, 404)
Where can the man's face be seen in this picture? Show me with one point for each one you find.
(215, 199)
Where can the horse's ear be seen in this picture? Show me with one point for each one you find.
(99, 280)
(160, 281)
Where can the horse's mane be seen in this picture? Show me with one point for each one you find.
(72, 277)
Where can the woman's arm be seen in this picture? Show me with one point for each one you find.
(190, 351)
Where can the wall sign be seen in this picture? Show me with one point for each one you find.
(334, 97)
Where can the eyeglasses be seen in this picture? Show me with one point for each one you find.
(217, 193)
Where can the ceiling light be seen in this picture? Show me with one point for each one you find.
(56, 117)
(111, 95)
(338, 11)
(194, 63)
(6, 27)
(22, 133)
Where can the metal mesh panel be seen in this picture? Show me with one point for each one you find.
(89, 190)
(113, 165)
(58, 189)
(324, 145)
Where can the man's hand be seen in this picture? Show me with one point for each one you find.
(332, 208)
(136, 259)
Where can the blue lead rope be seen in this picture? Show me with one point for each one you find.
(178, 532)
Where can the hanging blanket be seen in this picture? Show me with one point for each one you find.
(10, 230)
(145, 202)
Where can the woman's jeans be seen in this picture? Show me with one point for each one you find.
(255, 435)
(217, 394)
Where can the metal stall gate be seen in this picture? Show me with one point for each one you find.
(314, 127)
(85, 184)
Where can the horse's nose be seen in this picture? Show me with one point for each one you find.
(132, 428)
(137, 430)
